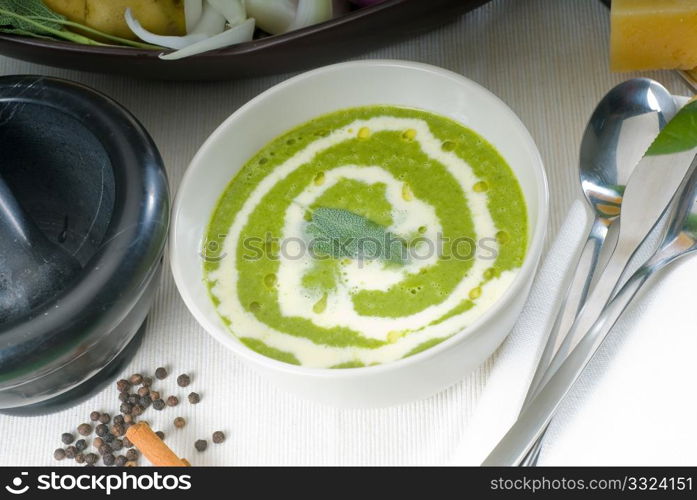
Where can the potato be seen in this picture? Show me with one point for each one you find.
(164, 17)
(72, 9)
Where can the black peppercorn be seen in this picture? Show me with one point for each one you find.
(158, 404)
(136, 379)
(179, 422)
(101, 430)
(81, 445)
(137, 410)
(183, 380)
(105, 448)
(172, 401)
(126, 408)
(154, 395)
(116, 444)
(91, 458)
(80, 458)
(123, 396)
(109, 437)
(97, 442)
(161, 373)
(127, 443)
(161, 435)
(145, 401)
(143, 391)
(117, 430)
(194, 398)
(94, 416)
(128, 419)
(133, 399)
(70, 452)
(121, 461)
(123, 385)
(201, 445)
(218, 437)
(118, 419)
(109, 459)
(147, 381)
(67, 438)
(105, 418)
(59, 454)
(84, 429)
(132, 455)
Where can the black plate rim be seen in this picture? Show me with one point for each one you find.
(241, 48)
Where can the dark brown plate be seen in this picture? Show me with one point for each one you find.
(327, 42)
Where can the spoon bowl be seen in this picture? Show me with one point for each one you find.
(620, 130)
(616, 137)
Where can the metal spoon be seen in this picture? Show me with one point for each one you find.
(680, 240)
(620, 129)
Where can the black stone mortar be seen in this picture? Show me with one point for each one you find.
(84, 211)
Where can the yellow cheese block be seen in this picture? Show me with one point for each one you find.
(164, 17)
(653, 34)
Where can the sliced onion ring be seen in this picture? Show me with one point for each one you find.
(240, 33)
(273, 16)
(211, 23)
(232, 10)
(171, 42)
(311, 12)
(192, 13)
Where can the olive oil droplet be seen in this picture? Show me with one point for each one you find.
(321, 305)
(480, 187)
(448, 146)
(503, 237)
(270, 280)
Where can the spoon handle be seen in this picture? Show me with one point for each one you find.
(649, 193)
(679, 246)
(521, 444)
(534, 419)
(574, 298)
(590, 311)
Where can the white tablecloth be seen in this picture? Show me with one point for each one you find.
(547, 59)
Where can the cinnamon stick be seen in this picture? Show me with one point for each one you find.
(152, 447)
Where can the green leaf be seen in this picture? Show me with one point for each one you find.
(17, 31)
(19, 14)
(34, 18)
(679, 134)
(340, 233)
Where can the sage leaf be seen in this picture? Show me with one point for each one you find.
(679, 134)
(33, 18)
(341, 233)
(22, 15)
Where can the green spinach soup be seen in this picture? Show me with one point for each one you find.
(364, 236)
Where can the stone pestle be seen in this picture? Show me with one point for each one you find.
(32, 269)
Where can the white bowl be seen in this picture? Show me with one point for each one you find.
(324, 90)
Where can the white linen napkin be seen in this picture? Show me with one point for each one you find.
(635, 402)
